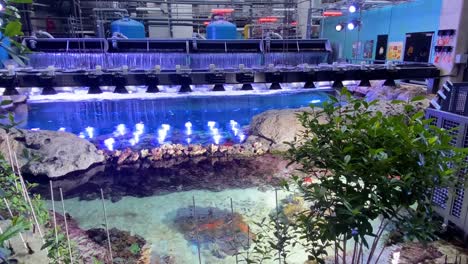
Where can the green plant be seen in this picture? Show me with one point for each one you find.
(17, 225)
(369, 167)
(11, 29)
(57, 248)
(135, 248)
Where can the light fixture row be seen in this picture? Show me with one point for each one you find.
(350, 26)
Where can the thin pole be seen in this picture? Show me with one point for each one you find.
(277, 223)
(54, 216)
(196, 230)
(107, 227)
(66, 226)
(248, 241)
(28, 198)
(234, 231)
(11, 215)
(11, 160)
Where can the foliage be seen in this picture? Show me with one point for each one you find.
(135, 249)
(370, 166)
(17, 225)
(11, 191)
(365, 167)
(12, 29)
(57, 247)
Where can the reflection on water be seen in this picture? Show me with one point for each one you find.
(183, 120)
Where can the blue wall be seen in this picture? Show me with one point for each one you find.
(396, 21)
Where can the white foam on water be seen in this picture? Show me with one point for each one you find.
(83, 96)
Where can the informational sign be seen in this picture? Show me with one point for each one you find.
(357, 49)
(368, 49)
(395, 51)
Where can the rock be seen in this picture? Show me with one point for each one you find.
(125, 247)
(50, 153)
(222, 232)
(89, 250)
(275, 127)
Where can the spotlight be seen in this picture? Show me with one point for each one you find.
(353, 24)
(352, 9)
(339, 27)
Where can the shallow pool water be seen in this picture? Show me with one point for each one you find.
(154, 218)
(187, 119)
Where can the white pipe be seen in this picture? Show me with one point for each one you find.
(35, 34)
(119, 35)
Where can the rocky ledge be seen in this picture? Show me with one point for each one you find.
(49, 153)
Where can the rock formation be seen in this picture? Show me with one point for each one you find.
(49, 153)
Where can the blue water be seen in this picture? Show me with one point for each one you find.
(152, 122)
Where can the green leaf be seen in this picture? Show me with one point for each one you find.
(6, 102)
(20, 1)
(418, 98)
(13, 29)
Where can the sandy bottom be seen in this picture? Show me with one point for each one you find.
(153, 218)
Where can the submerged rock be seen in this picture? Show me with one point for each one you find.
(218, 231)
(89, 250)
(49, 153)
(126, 248)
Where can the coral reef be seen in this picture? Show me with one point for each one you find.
(219, 231)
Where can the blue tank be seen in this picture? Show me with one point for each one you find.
(221, 29)
(129, 27)
(3, 52)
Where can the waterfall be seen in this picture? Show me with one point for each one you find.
(225, 60)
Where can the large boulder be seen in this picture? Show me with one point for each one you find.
(276, 127)
(49, 153)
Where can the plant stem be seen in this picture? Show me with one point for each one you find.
(55, 218)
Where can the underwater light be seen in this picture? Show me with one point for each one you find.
(211, 124)
(62, 129)
(235, 130)
(109, 143)
(316, 101)
(81, 135)
(166, 127)
(216, 139)
(188, 125)
(90, 131)
(233, 123)
(140, 127)
(241, 137)
(132, 142)
(121, 129)
(215, 131)
(35, 129)
(189, 140)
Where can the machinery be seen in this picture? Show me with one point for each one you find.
(120, 62)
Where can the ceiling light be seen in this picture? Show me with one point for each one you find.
(351, 26)
(352, 9)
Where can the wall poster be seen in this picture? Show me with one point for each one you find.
(368, 49)
(395, 51)
(357, 49)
